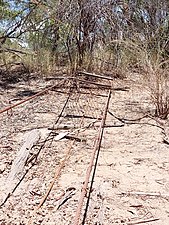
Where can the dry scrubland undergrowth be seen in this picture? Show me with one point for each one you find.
(127, 56)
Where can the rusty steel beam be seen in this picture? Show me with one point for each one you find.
(89, 169)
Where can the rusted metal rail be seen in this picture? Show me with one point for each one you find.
(57, 174)
(29, 98)
(46, 90)
(89, 169)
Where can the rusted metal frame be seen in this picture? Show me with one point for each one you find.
(81, 92)
(34, 158)
(86, 74)
(94, 83)
(89, 82)
(56, 122)
(56, 176)
(96, 75)
(46, 90)
(29, 98)
(75, 78)
(89, 169)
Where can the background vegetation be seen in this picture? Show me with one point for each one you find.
(95, 35)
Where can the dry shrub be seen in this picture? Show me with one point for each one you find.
(154, 70)
(157, 80)
(12, 67)
(103, 61)
(41, 62)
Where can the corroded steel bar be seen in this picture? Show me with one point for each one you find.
(27, 99)
(89, 169)
(96, 75)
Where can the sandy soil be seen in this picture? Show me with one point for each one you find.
(131, 183)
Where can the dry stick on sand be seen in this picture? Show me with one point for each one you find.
(95, 83)
(146, 194)
(57, 174)
(143, 221)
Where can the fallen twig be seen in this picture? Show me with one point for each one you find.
(146, 194)
(95, 83)
(80, 116)
(143, 221)
(166, 140)
(121, 89)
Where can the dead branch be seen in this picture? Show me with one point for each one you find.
(146, 194)
(79, 116)
(94, 83)
(17, 170)
(68, 194)
(143, 221)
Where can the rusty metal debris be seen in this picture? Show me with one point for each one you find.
(28, 99)
(57, 174)
(72, 79)
(89, 169)
(76, 106)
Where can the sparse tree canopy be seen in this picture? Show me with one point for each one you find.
(79, 28)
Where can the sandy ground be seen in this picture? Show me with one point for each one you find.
(131, 184)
